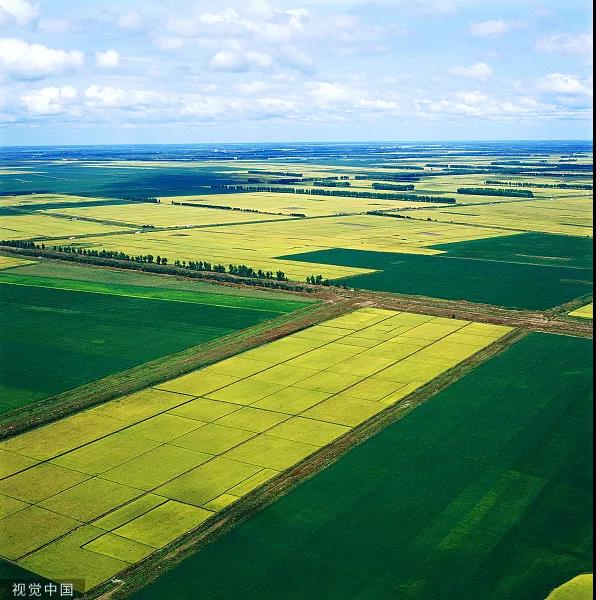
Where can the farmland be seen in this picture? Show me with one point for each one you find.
(551, 270)
(297, 371)
(67, 328)
(166, 459)
(385, 521)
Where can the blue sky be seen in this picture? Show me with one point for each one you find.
(129, 71)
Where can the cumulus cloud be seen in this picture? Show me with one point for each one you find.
(480, 71)
(49, 100)
(566, 43)
(19, 11)
(491, 28)
(34, 61)
(561, 83)
(110, 59)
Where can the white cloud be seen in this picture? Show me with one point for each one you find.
(325, 93)
(110, 59)
(230, 60)
(33, 61)
(49, 100)
(480, 71)
(491, 28)
(561, 83)
(20, 11)
(109, 97)
(566, 43)
(479, 105)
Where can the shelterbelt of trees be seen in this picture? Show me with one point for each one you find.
(496, 192)
(341, 192)
(553, 186)
(157, 263)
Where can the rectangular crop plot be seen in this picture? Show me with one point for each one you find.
(82, 350)
(104, 488)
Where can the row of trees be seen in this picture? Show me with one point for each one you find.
(200, 265)
(329, 183)
(341, 193)
(555, 186)
(496, 192)
(397, 187)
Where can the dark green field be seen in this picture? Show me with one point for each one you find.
(108, 181)
(531, 271)
(52, 340)
(482, 493)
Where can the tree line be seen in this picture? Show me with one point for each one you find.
(341, 193)
(496, 192)
(405, 187)
(200, 265)
(555, 186)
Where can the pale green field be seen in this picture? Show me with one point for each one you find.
(91, 494)
(579, 588)
(164, 214)
(571, 215)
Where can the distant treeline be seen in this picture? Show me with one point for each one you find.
(559, 166)
(329, 183)
(405, 187)
(389, 177)
(278, 173)
(148, 259)
(405, 167)
(555, 186)
(496, 192)
(339, 193)
(149, 199)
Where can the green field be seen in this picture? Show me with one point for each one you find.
(484, 492)
(531, 271)
(57, 334)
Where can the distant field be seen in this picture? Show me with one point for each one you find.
(532, 271)
(127, 477)
(570, 215)
(164, 215)
(585, 312)
(484, 492)
(59, 334)
(259, 245)
(288, 204)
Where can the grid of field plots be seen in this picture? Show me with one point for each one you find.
(85, 497)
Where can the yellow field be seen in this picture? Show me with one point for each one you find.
(579, 588)
(88, 495)
(258, 244)
(569, 215)
(163, 215)
(21, 227)
(585, 312)
(6, 262)
(311, 206)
